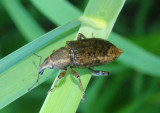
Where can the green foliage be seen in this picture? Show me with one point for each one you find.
(65, 15)
(128, 90)
(24, 22)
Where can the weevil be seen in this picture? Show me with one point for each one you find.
(83, 52)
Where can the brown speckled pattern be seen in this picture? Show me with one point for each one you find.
(91, 52)
(80, 53)
(60, 58)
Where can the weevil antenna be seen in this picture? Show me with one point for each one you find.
(39, 57)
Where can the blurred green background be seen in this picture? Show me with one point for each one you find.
(126, 90)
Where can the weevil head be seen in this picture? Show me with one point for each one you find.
(60, 58)
(46, 64)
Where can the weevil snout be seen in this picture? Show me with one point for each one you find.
(46, 64)
(40, 71)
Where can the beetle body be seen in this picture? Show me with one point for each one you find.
(91, 52)
(81, 53)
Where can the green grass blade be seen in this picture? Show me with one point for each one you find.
(136, 57)
(58, 11)
(107, 97)
(138, 84)
(94, 90)
(92, 94)
(141, 16)
(20, 75)
(67, 95)
(21, 18)
(0, 53)
(99, 17)
(132, 106)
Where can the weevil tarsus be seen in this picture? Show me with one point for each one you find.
(98, 72)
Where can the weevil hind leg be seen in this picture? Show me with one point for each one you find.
(80, 35)
(61, 75)
(98, 72)
(74, 73)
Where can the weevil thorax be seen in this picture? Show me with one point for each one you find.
(60, 58)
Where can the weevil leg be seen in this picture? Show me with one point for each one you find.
(34, 83)
(38, 74)
(80, 83)
(39, 57)
(98, 73)
(61, 75)
(80, 35)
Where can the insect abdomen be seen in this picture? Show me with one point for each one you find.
(91, 52)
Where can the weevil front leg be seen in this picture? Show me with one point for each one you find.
(80, 83)
(99, 73)
(34, 83)
(38, 74)
(61, 75)
(80, 35)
